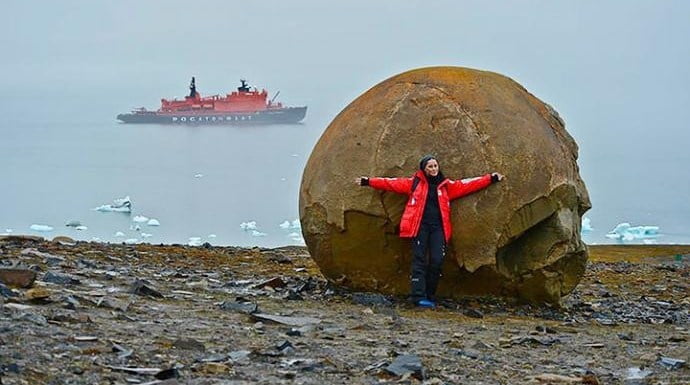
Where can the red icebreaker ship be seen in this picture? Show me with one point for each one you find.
(244, 106)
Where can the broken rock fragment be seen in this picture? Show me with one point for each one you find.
(241, 307)
(290, 321)
(189, 344)
(22, 278)
(407, 364)
(144, 288)
(60, 279)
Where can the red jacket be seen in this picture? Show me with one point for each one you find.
(448, 190)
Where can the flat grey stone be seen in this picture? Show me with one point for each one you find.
(407, 364)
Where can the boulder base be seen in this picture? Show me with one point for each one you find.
(518, 238)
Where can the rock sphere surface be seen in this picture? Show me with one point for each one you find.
(519, 238)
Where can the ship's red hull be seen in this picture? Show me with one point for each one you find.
(286, 115)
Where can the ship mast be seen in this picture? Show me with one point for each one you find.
(244, 87)
(192, 89)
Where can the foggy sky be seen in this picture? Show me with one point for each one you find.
(616, 71)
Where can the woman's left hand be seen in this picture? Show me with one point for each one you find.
(499, 177)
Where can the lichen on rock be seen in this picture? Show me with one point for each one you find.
(519, 238)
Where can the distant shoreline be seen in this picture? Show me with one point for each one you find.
(599, 252)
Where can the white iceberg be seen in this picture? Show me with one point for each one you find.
(131, 241)
(153, 222)
(122, 201)
(121, 205)
(41, 228)
(9, 231)
(256, 233)
(294, 225)
(296, 237)
(625, 232)
(246, 226)
(198, 175)
(81, 228)
(140, 219)
(194, 241)
(586, 225)
(211, 236)
(119, 234)
(146, 235)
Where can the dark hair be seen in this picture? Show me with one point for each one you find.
(425, 159)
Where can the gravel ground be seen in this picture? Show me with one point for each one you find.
(93, 313)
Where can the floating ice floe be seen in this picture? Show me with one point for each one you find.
(153, 222)
(131, 241)
(625, 232)
(294, 225)
(140, 219)
(41, 228)
(252, 229)
(73, 224)
(9, 231)
(211, 236)
(194, 241)
(121, 205)
(146, 235)
(81, 228)
(296, 237)
(294, 155)
(119, 234)
(246, 226)
(586, 225)
(198, 175)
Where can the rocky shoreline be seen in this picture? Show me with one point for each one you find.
(94, 313)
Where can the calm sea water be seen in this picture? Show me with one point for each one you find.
(196, 181)
(201, 181)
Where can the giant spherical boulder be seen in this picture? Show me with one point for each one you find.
(518, 238)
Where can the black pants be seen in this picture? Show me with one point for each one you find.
(427, 271)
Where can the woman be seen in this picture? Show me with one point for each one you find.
(426, 219)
